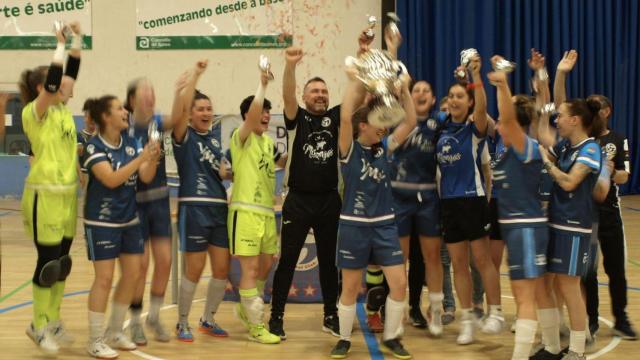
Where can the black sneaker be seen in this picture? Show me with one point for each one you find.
(624, 330)
(276, 328)
(416, 317)
(543, 354)
(593, 329)
(395, 348)
(341, 349)
(331, 324)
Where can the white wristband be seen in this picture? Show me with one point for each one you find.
(76, 42)
(58, 55)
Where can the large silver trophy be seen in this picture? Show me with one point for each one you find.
(381, 75)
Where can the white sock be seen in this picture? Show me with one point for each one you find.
(495, 310)
(467, 314)
(155, 303)
(346, 316)
(118, 312)
(394, 312)
(435, 300)
(96, 323)
(561, 321)
(185, 298)
(215, 294)
(525, 335)
(577, 341)
(550, 329)
(254, 308)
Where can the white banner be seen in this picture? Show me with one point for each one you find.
(29, 24)
(206, 24)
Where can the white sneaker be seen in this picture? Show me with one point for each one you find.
(513, 325)
(159, 332)
(99, 349)
(43, 339)
(60, 334)
(493, 324)
(136, 334)
(120, 341)
(435, 322)
(466, 332)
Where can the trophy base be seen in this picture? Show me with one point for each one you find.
(386, 117)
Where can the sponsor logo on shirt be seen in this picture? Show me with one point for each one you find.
(91, 148)
(317, 146)
(369, 171)
(326, 122)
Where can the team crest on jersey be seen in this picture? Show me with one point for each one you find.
(574, 156)
(379, 152)
(91, 148)
(130, 151)
(215, 143)
(432, 124)
(325, 122)
(591, 150)
(611, 150)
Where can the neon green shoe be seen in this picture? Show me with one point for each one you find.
(259, 333)
(238, 311)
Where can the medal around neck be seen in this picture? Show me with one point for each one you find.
(380, 74)
(265, 66)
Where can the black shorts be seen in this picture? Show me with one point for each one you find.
(464, 219)
(494, 233)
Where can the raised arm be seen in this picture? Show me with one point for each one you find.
(402, 131)
(253, 117)
(353, 97)
(510, 130)
(480, 97)
(565, 66)
(54, 77)
(293, 55)
(185, 91)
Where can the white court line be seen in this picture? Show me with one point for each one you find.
(612, 344)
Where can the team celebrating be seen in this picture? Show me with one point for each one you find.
(447, 186)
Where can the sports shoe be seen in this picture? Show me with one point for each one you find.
(448, 316)
(60, 334)
(43, 339)
(159, 332)
(416, 317)
(375, 323)
(99, 349)
(376, 297)
(212, 329)
(331, 324)
(467, 328)
(573, 356)
(493, 324)
(513, 325)
(543, 354)
(238, 311)
(137, 334)
(183, 332)
(624, 330)
(120, 341)
(395, 348)
(435, 321)
(259, 333)
(276, 327)
(341, 349)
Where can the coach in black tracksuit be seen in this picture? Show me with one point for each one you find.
(611, 234)
(312, 200)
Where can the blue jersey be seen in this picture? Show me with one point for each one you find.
(413, 164)
(459, 155)
(496, 149)
(574, 211)
(104, 206)
(198, 160)
(367, 199)
(158, 188)
(517, 176)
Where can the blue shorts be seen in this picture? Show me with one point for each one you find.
(568, 252)
(359, 246)
(201, 226)
(421, 209)
(592, 263)
(526, 250)
(155, 219)
(104, 243)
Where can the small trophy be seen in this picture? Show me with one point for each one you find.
(265, 66)
(60, 25)
(153, 133)
(393, 23)
(381, 76)
(504, 65)
(548, 109)
(465, 58)
(372, 20)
